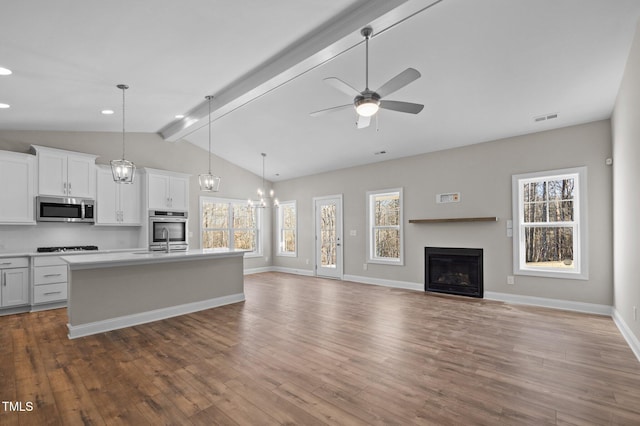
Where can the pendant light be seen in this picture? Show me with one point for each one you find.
(208, 181)
(123, 170)
(262, 194)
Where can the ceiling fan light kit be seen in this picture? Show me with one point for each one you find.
(368, 102)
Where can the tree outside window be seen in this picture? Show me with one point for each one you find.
(229, 224)
(287, 233)
(385, 226)
(549, 232)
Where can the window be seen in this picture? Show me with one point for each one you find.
(230, 224)
(549, 231)
(287, 224)
(384, 218)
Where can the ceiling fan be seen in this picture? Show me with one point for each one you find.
(369, 101)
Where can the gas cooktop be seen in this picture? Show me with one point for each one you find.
(66, 249)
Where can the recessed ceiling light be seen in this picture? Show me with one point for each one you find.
(4, 106)
(107, 111)
(5, 71)
(179, 116)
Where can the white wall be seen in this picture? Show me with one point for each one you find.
(482, 173)
(145, 150)
(626, 177)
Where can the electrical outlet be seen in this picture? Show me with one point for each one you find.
(511, 280)
(307, 261)
(364, 266)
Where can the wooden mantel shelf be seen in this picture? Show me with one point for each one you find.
(455, 219)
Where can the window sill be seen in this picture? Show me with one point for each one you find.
(552, 274)
(386, 262)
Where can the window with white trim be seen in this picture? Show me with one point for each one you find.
(287, 232)
(550, 223)
(230, 224)
(384, 223)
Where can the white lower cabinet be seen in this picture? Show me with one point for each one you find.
(14, 281)
(49, 280)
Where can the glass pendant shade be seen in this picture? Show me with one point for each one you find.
(262, 194)
(123, 171)
(208, 181)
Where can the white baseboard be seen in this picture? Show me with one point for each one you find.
(590, 308)
(384, 282)
(150, 316)
(250, 271)
(293, 271)
(626, 332)
(305, 272)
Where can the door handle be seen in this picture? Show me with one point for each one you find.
(52, 275)
(51, 292)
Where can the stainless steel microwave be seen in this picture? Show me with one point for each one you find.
(65, 209)
(168, 230)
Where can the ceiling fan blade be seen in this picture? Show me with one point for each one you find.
(363, 121)
(341, 86)
(402, 106)
(328, 110)
(398, 82)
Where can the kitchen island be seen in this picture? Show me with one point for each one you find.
(115, 290)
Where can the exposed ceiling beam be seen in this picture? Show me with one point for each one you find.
(316, 48)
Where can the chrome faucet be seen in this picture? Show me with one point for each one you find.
(165, 234)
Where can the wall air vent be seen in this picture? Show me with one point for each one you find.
(545, 117)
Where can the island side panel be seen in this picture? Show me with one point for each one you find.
(106, 293)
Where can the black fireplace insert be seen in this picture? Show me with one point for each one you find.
(453, 271)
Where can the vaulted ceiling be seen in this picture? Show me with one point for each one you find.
(488, 69)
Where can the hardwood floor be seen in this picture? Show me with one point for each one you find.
(309, 351)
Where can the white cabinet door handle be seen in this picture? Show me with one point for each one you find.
(69, 188)
(52, 292)
(52, 275)
(5, 263)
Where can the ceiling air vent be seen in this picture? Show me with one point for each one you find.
(545, 117)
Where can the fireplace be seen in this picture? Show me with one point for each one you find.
(453, 271)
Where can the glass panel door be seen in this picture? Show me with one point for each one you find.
(328, 212)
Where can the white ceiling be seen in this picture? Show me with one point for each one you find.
(488, 67)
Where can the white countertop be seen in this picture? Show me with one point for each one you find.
(63, 253)
(115, 259)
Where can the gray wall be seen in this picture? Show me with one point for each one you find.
(626, 176)
(145, 150)
(482, 173)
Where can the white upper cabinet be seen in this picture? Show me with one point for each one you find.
(117, 203)
(167, 190)
(17, 188)
(65, 173)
